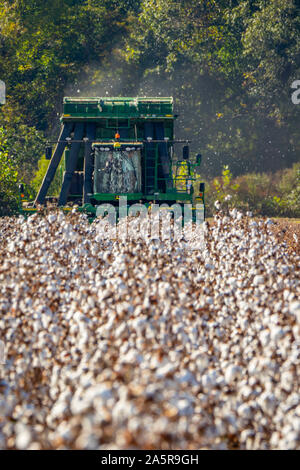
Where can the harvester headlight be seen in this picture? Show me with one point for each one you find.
(128, 149)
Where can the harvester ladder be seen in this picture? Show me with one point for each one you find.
(151, 168)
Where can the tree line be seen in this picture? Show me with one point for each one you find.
(229, 64)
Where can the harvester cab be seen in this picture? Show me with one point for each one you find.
(112, 147)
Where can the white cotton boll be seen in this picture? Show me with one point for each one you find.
(209, 266)
(296, 424)
(267, 402)
(294, 309)
(79, 405)
(118, 342)
(264, 337)
(232, 373)
(185, 408)
(286, 294)
(58, 409)
(23, 436)
(132, 357)
(258, 280)
(102, 391)
(252, 252)
(245, 411)
(186, 377)
(11, 247)
(276, 332)
(202, 363)
(232, 281)
(209, 380)
(52, 218)
(165, 370)
(122, 410)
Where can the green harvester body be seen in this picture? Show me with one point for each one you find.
(113, 147)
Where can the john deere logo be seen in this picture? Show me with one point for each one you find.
(2, 92)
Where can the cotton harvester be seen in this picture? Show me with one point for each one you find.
(114, 147)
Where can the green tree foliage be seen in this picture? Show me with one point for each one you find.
(288, 201)
(223, 186)
(271, 44)
(24, 143)
(270, 194)
(205, 53)
(8, 179)
(228, 63)
(55, 186)
(46, 49)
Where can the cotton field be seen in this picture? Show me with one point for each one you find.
(128, 343)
